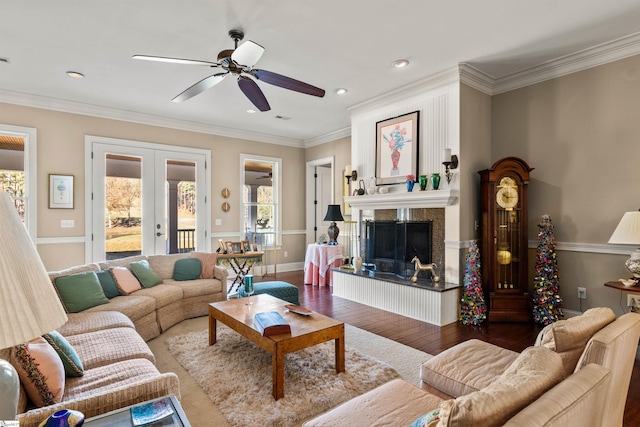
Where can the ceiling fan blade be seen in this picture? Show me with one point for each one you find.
(253, 92)
(201, 86)
(287, 82)
(175, 60)
(247, 54)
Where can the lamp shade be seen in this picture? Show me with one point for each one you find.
(628, 230)
(29, 304)
(333, 213)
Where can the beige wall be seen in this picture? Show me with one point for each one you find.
(340, 150)
(61, 150)
(581, 133)
(475, 143)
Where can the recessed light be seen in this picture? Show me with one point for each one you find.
(75, 74)
(400, 63)
(341, 91)
(251, 111)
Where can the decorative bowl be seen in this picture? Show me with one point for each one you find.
(628, 282)
(64, 418)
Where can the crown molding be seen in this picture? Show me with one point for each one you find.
(434, 81)
(327, 137)
(66, 106)
(594, 56)
(475, 78)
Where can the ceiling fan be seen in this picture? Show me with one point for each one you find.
(270, 176)
(239, 62)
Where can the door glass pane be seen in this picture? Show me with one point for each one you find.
(181, 206)
(123, 208)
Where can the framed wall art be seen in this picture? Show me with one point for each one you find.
(60, 191)
(397, 141)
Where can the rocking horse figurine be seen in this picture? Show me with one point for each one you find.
(420, 267)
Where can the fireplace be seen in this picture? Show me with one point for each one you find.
(391, 245)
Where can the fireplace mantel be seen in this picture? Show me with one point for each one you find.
(405, 199)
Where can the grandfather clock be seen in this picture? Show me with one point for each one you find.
(504, 243)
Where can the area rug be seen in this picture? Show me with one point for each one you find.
(236, 375)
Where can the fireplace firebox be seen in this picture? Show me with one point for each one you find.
(391, 245)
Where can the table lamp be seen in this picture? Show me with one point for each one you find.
(628, 233)
(30, 304)
(333, 215)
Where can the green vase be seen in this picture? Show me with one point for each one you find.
(423, 180)
(435, 180)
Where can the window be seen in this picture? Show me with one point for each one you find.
(18, 171)
(260, 208)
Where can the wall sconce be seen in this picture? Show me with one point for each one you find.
(450, 162)
(353, 176)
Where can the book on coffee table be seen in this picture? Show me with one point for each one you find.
(151, 412)
(271, 323)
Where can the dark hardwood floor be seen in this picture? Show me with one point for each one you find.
(429, 338)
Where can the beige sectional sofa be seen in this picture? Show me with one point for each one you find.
(110, 338)
(577, 373)
(119, 369)
(156, 309)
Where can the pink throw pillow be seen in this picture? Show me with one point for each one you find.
(208, 261)
(125, 280)
(40, 370)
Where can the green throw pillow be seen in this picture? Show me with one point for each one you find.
(187, 269)
(70, 359)
(145, 275)
(80, 291)
(108, 284)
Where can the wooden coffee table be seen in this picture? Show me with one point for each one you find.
(306, 331)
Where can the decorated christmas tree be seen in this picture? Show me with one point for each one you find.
(547, 304)
(473, 309)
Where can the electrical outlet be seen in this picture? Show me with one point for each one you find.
(286, 254)
(633, 302)
(582, 293)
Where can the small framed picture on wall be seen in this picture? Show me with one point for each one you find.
(60, 191)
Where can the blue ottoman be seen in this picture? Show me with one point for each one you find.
(283, 290)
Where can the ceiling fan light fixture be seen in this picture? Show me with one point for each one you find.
(75, 74)
(400, 63)
(341, 91)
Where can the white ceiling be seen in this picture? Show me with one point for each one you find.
(327, 43)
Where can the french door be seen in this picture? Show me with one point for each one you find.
(146, 199)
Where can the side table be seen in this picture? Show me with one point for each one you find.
(241, 264)
(620, 286)
(318, 262)
(632, 302)
(122, 417)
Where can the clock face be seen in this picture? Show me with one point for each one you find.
(507, 195)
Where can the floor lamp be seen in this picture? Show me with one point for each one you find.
(29, 304)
